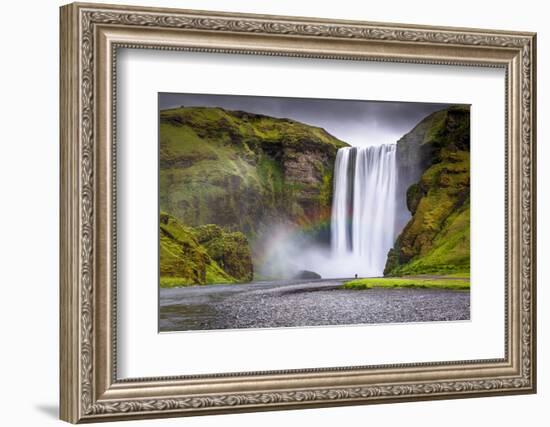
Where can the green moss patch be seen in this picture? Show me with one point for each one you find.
(202, 255)
(440, 282)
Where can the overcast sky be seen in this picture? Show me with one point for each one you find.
(359, 123)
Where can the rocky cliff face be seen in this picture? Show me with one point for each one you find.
(243, 171)
(227, 178)
(434, 192)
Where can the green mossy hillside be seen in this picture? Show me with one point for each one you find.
(436, 239)
(201, 255)
(243, 171)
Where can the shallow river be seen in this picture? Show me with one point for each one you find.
(299, 303)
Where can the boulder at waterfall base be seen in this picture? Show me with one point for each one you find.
(306, 274)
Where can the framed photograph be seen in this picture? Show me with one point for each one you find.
(266, 212)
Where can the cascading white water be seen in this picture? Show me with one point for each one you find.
(363, 208)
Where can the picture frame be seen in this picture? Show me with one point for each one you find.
(90, 389)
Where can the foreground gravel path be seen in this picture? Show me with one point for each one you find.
(314, 303)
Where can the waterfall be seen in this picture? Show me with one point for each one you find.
(363, 208)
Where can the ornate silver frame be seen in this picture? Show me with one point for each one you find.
(90, 35)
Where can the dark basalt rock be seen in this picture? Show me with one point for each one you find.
(306, 274)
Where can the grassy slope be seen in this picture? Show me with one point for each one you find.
(454, 282)
(450, 249)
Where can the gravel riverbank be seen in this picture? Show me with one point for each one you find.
(295, 303)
